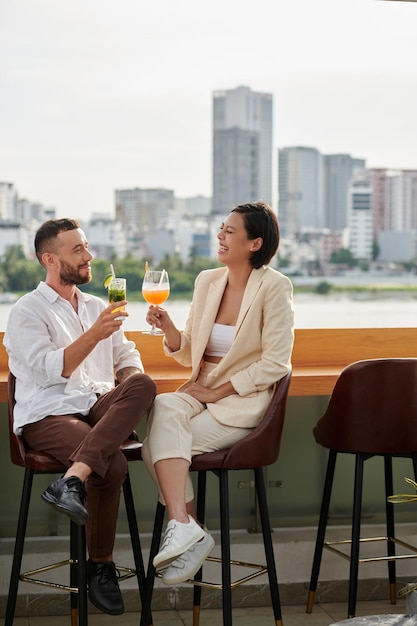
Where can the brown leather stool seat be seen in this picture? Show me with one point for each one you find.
(372, 412)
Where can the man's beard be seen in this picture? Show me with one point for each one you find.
(71, 276)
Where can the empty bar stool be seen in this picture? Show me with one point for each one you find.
(255, 451)
(372, 412)
(40, 463)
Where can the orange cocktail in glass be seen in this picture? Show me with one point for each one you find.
(155, 290)
(156, 296)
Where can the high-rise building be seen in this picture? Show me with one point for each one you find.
(313, 188)
(338, 170)
(242, 148)
(193, 207)
(8, 201)
(383, 210)
(409, 195)
(106, 237)
(27, 210)
(360, 217)
(394, 199)
(300, 189)
(381, 218)
(144, 210)
(13, 234)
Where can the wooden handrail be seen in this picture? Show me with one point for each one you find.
(319, 356)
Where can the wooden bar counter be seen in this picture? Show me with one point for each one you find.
(319, 356)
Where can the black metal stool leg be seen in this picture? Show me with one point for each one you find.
(390, 523)
(201, 513)
(356, 529)
(146, 616)
(18, 548)
(82, 576)
(225, 541)
(74, 573)
(268, 545)
(134, 536)
(321, 530)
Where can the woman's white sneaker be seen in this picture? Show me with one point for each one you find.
(178, 538)
(187, 565)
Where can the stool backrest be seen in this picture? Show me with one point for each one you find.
(373, 408)
(20, 453)
(261, 447)
(17, 445)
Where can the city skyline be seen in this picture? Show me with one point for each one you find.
(242, 148)
(97, 96)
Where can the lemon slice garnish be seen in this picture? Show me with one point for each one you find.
(107, 280)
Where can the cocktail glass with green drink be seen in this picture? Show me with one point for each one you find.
(117, 292)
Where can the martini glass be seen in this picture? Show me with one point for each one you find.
(155, 290)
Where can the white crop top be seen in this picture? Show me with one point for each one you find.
(220, 340)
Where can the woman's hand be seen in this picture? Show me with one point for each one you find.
(199, 392)
(205, 394)
(159, 316)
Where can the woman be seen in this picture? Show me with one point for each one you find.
(238, 340)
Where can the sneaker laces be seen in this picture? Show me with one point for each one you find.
(167, 537)
(181, 560)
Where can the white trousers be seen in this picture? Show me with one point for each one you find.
(179, 426)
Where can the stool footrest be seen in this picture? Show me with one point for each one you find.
(260, 570)
(329, 545)
(28, 576)
(129, 572)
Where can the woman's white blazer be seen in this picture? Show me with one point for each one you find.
(261, 351)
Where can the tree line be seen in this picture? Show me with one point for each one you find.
(20, 275)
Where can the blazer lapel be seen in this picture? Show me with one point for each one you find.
(252, 288)
(208, 317)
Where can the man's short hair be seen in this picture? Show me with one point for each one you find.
(47, 233)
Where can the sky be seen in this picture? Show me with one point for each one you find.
(98, 95)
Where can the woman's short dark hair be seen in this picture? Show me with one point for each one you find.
(45, 235)
(260, 221)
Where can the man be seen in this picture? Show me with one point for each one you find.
(65, 349)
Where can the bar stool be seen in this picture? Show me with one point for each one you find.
(372, 412)
(255, 451)
(41, 463)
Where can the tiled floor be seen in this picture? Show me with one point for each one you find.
(322, 615)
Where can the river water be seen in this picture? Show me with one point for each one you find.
(311, 311)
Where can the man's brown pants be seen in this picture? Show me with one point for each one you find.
(95, 439)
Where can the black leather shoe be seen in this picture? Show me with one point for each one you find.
(103, 587)
(67, 495)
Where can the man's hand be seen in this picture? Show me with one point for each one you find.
(109, 321)
(104, 326)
